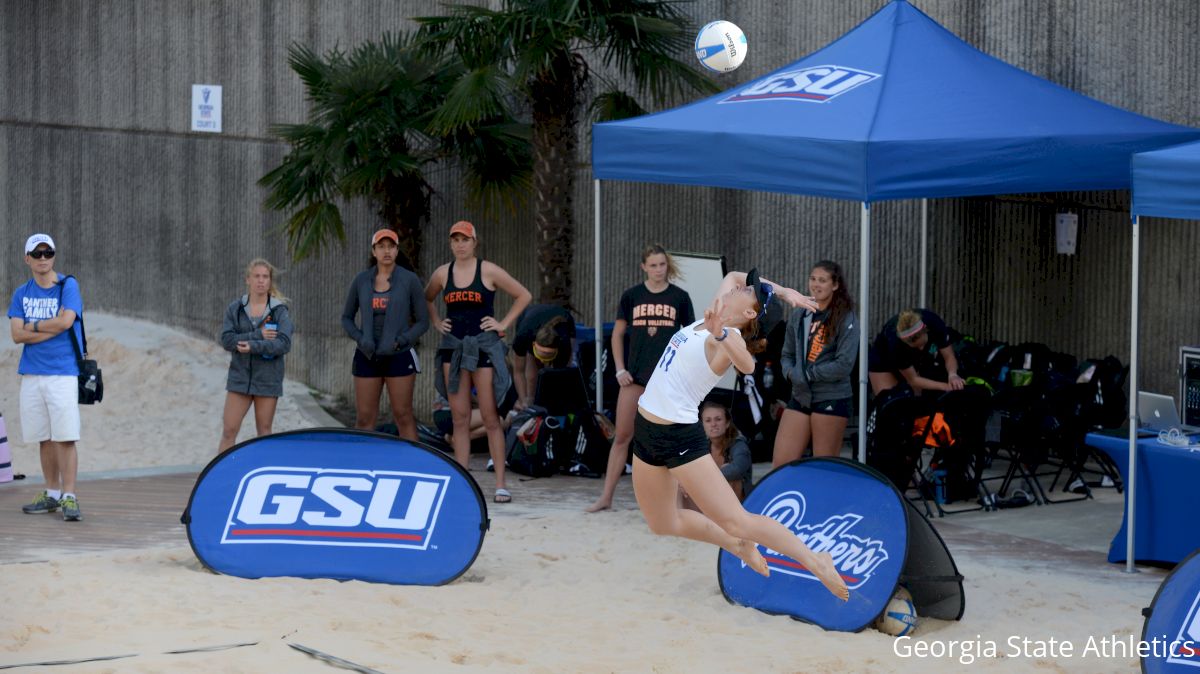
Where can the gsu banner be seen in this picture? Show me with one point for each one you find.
(852, 512)
(1171, 634)
(335, 503)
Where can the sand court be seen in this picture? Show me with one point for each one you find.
(552, 589)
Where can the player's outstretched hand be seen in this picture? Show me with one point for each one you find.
(796, 299)
(712, 317)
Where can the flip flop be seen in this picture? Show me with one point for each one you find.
(502, 496)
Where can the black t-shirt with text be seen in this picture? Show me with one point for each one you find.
(651, 319)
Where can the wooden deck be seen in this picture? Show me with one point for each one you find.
(117, 514)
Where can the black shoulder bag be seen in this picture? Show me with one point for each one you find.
(91, 384)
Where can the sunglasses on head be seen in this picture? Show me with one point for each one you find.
(41, 254)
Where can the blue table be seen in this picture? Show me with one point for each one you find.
(1168, 499)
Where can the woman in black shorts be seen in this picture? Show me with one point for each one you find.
(650, 312)
(392, 315)
(671, 449)
(472, 349)
(819, 352)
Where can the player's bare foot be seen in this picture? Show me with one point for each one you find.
(598, 506)
(828, 574)
(747, 551)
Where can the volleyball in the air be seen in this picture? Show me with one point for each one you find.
(900, 616)
(721, 46)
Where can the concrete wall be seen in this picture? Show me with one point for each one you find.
(158, 222)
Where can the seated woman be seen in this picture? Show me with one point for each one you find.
(728, 448)
(547, 333)
(915, 346)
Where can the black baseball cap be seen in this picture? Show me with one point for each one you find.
(770, 307)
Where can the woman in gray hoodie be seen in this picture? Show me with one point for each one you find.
(390, 305)
(819, 351)
(257, 330)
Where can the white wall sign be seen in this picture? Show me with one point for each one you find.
(206, 107)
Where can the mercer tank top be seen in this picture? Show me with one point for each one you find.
(682, 378)
(465, 307)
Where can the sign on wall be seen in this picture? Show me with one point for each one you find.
(206, 107)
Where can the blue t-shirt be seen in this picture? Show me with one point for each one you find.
(55, 356)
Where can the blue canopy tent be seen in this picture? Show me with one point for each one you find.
(897, 108)
(1166, 184)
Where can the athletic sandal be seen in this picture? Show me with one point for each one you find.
(502, 496)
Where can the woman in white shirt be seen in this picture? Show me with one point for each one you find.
(670, 446)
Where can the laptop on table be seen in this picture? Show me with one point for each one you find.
(1155, 412)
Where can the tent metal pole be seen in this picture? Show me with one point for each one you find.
(924, 249)
(598, 314)
(863, 322)
(1131, 484)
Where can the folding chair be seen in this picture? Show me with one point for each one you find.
(891, 447)
(966, 412)
(1017, 444)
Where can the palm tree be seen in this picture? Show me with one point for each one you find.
(539, 51)
(372, 133)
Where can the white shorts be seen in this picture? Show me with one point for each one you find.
(49, 408)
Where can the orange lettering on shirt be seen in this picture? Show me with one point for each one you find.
(818, 342)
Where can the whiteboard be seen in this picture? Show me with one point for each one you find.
(702, 275)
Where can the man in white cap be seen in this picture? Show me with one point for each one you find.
(43, 309)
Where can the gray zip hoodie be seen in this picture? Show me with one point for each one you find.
(260, 372)
(828, 378)
(406, 319)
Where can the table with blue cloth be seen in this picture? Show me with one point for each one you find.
(1168, 498)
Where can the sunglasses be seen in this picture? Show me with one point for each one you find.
(41, 254)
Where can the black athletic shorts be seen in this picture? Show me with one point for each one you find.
(444, 356)
(670, 445)
(398, 365)
(834, 408)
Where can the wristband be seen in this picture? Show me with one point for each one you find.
(622, 370)
(35, 326)
(724, 334)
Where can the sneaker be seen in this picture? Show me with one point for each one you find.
(70, 509)
(491, 467)
(42, 504)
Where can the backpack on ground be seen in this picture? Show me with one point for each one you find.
(533, 446)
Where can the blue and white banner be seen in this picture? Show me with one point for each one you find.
(834, 506)
(334, 503)
(1171, 634)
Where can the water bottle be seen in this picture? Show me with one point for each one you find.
(768, 378)
(269, 326)
(939, 486)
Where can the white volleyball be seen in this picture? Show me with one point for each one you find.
(721, 46)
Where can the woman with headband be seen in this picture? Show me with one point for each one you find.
(914, 346)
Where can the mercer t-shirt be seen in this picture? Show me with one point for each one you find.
(651, 319)
(31, 302)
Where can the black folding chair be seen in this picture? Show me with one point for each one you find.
(892, 448)
(966, 412)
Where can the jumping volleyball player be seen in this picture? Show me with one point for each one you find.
(669, 444)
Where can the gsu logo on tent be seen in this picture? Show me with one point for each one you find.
(855, 557)
(815, 84)
(335, 507)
